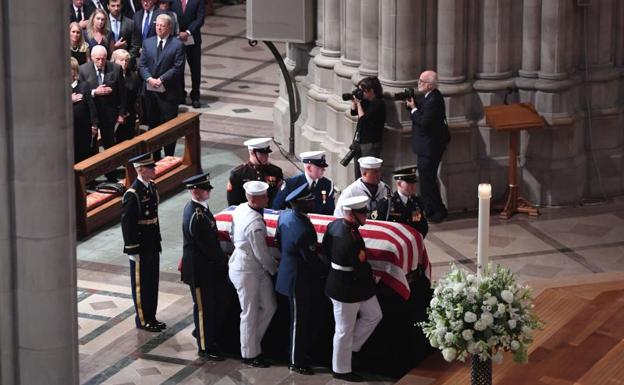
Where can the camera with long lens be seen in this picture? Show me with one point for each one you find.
(407, 93)
(353, 149)
(355, 94)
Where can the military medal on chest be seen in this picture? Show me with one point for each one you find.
(324, 196)
(416, 216)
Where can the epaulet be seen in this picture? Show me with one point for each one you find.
(130, 190)
(239, 167)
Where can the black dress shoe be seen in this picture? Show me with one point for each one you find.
(195, 104)
(161, 325)
(305, 370)
(194, 333)
(257, 362)
(349, 377)
(150, 327)
(211, 356)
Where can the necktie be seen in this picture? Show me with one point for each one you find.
(99, 75)
(146, 24)
(313, 185)
(116, 28)
(98, 5)
(159, 50)
(79, 14)
(183, 5)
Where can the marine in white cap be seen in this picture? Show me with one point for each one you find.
(257, 167)
(250, 269)
(369, 185)
(321, 188)
(350, 286)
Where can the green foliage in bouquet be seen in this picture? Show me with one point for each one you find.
(481, 315)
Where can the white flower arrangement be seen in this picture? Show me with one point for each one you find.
(481, 315)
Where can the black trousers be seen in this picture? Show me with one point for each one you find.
(210, 307)
(193, 57)
(158, 111)
(125, 131)
(144, 274)
(428, 180)
(107, 120)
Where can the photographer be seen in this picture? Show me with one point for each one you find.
(430, 136)
(369, 107)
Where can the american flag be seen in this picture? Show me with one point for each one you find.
(392, 249)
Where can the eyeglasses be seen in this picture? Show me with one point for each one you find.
(422, 81)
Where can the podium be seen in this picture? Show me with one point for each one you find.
(512, 118)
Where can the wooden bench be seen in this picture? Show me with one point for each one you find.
(95, 210)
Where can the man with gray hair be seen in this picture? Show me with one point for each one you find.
(161, 66)
(430, 136)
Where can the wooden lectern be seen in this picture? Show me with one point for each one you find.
(512, 118)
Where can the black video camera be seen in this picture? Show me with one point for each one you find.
(407, 93)
(353, 149)
(356, 93)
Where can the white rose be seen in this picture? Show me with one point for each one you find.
(470, 317)
(501, 308)
(448, 337)
(434, 302)
(487, 318)
(507, 296)
(492, 301)
(449, 354)
(458, 287)
(467, 334)
(433, 342)
(473, 348)
(480, 325)
(515, 345)
(512, 323)
(498, 357)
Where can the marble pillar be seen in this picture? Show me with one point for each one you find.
(369, 30)
(38, 320)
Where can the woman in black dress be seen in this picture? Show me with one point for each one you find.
(85, 116)
(79, 48)
(126, 129)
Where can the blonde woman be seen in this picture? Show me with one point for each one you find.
(98, 32)
(131, 81)
(78, 47)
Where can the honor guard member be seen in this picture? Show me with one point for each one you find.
(141, 233)
(370, 185)
(204, 266)
(299, 272)
(256, 168)
(250, 269)
(350, 286)
(405, 206)
(321, 188)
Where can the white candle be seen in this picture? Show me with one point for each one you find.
(483, 231)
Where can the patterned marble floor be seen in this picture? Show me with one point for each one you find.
(239, 86)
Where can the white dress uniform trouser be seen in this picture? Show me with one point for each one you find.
(352, 332)
(257, 301)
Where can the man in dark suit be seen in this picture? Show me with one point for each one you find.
(204, 267)
(145, 19)
(429, 139)
(321, 188)
(126, 37)
(191, 18)
(109, 93)
(161, 67)
(130, 7)
(141, 235)
(80, 12)
(299, 273)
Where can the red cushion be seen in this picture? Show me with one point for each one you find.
(97, 199)
(167, 163)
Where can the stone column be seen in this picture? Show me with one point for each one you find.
(531, 34)
(369, 31)
(351, 40)
(38, 320)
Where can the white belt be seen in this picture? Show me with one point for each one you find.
(341, 268)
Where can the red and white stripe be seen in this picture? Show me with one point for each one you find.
(393, 249)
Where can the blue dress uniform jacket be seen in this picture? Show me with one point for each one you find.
(204, 269)
(268, 173)
(345, 249)
(412, 213)
(139, 219)
(141, 233)
(323, 192)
